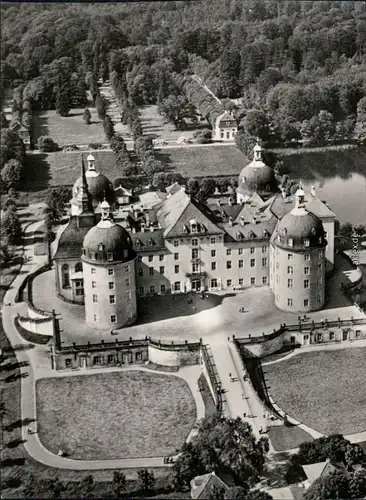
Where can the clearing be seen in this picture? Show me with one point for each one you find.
(325, 390)
(115, 415)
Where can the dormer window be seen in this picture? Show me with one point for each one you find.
(137, 244)
(194, 228)
(101, 247)
(84, 251)
(109, 256)
(279, 238)
(313, 231)
(150, 241)
(290, 242)
(93, 256)
(285, 231)
(125, 254)
(320, 240)
(307, 242)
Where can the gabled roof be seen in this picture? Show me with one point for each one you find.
(321, 469)
(174, 188)
(121, 191)
(226, 117)
(281, 206)
(175, 213)
(152, 198)
(201, 486)
(19, 127)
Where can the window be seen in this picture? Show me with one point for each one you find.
(68, 362)
(94, 284)
(252, 281)
(110, 271)
(213, 241)
(109, 256)
(307, 256)
(78, 267)
(176, 256)
(228, 282)
(195, 268)
(289, 256)
(264, 248)
(214, 283)
(306, 283)
(65, 276)
(176, 269)
(307, 242)
(128, 295)
(152, 289)
(290, 270)
(319, 267)
(252, 262)
(151, 257)
(194, 228)
(95, 299)
(289, 302)
(162, 288)
(264, 262)
(110, 358)
(93, 256)
(331, 336)
(112, 299)
(176, 243)
(228, 251)
(240, 251)
(127, 269)
(151, 271)
(161, 269)
(79, 291)
(252, 249)
(141, 290)
(290, 283)
(264, 280)
(139, 258)
(177, 286)
(96, 360)
(195, 253)
(241, 263)
(141, 272)
(325, 234)
(138, 356)
(306, 270)
(125, 254)
(113, 318)
(228, 264)
(213, 253)
(290, 242)
(358, 334)
(194, 241)
(161, 257)
(306, 302)
(319, 298)
(277, 265)
(277, 278)
(213, 266)
(95, 317)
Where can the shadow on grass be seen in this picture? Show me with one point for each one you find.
(15, 443)
(164, 158)
(11, 483)
(37, 172)
(161, 307)
(13, 366)
(18, 424)
(15, 376)
(11, 462)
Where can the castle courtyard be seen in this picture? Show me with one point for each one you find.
(124, 414)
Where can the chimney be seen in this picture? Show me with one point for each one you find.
(313, 191)
(147, 218)
(230, 221)
(283, 193)
(134, 230)
(218, 203)
(151, 229)
(142, 227)
(230, 202)
(242, 222)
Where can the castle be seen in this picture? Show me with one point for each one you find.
(167, 242)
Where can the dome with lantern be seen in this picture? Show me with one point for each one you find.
(107, 241)
(257, 177)
(299, 229)
(99, 186)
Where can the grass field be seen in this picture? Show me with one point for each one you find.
(203, 161)
(115, 415)
(286, 438)
(69, 129)
(54, 169)
(325, 390)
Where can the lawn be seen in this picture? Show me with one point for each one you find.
(115, 415)
(69, 129)
(325, 390)
(55, 169)
(201, 161)
(286, 438)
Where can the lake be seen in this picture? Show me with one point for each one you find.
(339, 178)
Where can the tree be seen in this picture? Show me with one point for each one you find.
(46, 144)
(100, 106)
(4, 123)
(357, 484)
(108, 127)
(146, 479)
(87, 485)
(333, 485)
(193, 187)
(63, 100)
(12, 146)
(30, 488)
(216, 493)
(203, 136)
(11, 229)
(258, 495)
(237, 493)
(119, 483)
(360, 129)
(256, 124)
(87, 116)
(207, 189)
(12, 173)
(6, 253)
(175, 108)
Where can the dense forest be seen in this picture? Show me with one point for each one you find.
(299, 67)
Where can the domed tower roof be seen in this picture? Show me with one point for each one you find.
(257, 177)
(107, 241)
(99, 185)
(299, 229)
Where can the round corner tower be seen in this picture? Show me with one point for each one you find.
(297, 274)
(109, 275)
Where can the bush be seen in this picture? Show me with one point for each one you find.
(46, 144)
(87, 116)
(95, 145)
(12, 173)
